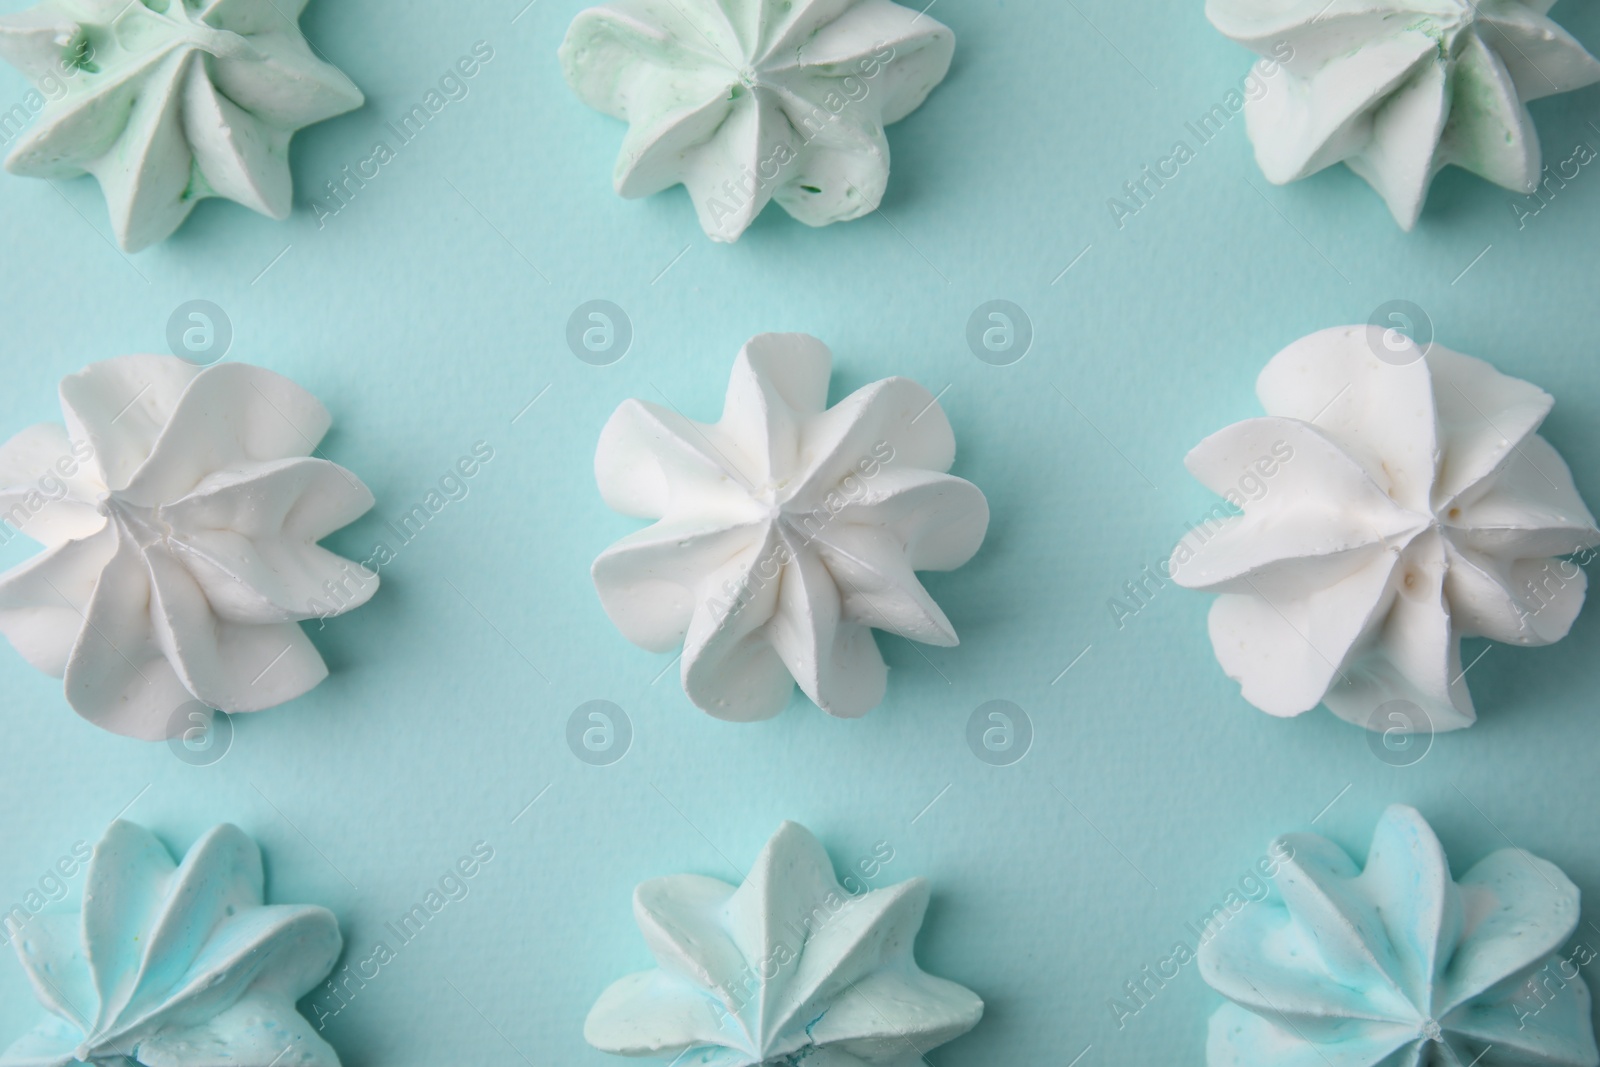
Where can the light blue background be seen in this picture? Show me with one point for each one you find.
(417, 315)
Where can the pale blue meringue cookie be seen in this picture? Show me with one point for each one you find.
(175, 965)
(1399, 965)
(788, 968)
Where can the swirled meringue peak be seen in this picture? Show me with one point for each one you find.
(1395, 500)
(1397, 964)
(786, 532)
(175, 965)
(167, 102)
(180, 510)
(748, 101)
(1401, 89)
(788, 968)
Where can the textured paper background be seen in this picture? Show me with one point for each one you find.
(420, 316)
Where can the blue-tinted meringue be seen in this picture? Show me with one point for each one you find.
(749, 101)
(787, 969)
(1401, 89)
(1398, 965)
(167, 102)
(180, 509)
(786, 532)
(1395, 500)
(175, 965)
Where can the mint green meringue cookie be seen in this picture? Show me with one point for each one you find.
(788, 968)
(749, 101)
(175, 965)
(167, 102)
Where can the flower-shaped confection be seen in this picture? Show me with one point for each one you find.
(1398, 965)
(787, 531)
(1391, 506)
(167, 102)
(1401, 89)
(788, 968)
(175, 965)
(747, 101)
(180, 509)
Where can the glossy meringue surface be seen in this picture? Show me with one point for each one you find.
(1396, 962)
(790, 967)
(175, 964)
(167, 102)
(1413, 503)
(180, 509)
(1400, 89)
(786, 532)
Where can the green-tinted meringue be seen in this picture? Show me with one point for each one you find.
(167, 102)
(748, 101)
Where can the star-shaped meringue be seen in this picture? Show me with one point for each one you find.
(175, 965)
(1392, 506)
(748, 101)
(1398, 964)
(788, 968)
(1401, 89)
(167, 102)
(180, 510)
(787, 531)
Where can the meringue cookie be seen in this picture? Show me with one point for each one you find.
(167, 102)
(1406, 502)
(180, 511)
(1401, 89)
(175, 965)
(787, 968)
(787, 531)
(748, 101)
(1362, 967)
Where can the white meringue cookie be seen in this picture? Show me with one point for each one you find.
(167, 102)
(1391, 507)
(788, 968)
(1401, 89)
(180, 511)
(749, 101)
(786, 532)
